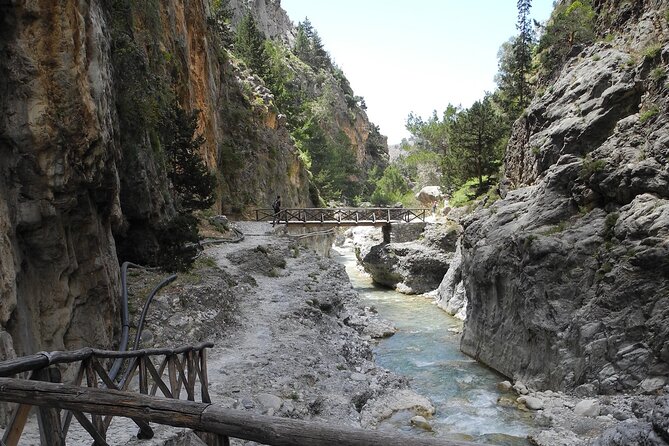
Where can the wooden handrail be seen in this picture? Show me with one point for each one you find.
(45, 359)
(204, 417)
(331, 216)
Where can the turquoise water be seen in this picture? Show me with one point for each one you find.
(426, 349)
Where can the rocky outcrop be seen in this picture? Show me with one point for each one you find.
(451, 296)
(567, 275)
(84, 89)
(414, 262)
(651, 427)
(59, 178)
(271, 19)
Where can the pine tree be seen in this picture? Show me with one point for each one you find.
(250, 45)
(476, 141)
(522, 52)
(302, 46)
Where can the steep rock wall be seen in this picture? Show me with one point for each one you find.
(272, 20)
(59, 185)
(567, 275)
(84, 86)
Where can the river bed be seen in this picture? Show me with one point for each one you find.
(426, 349)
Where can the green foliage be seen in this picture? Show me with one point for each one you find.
(649, 113)
(556, 229)
(309, 47)
(192, 182)
(220, 22)
(391, 188)
(250, 46)
(571, 23)
(477, 141)
(658, 74)
(591, 167)
(466, 194)
(515, 66)
(178, 243)
(609, 225)
(652, 51)
(280, 79)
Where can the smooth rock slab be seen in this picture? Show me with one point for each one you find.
(269, 401)
(531, 402)
(587, 408)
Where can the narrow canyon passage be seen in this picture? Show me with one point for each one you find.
(426, 349)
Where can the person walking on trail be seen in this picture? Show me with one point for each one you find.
(276, 206)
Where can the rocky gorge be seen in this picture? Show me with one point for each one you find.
(86, 93)
(562, 283)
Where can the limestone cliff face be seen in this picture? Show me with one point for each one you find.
(83, 89)
(567, 276)
(59, 183)
(272, 20)
(339, 112)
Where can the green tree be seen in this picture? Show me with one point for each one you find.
(522, 52)
(476, 142)
(571, 23)
(309, 46)
(250, 45)
(193, 183)
(391, 187)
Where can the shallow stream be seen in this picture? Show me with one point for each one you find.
(426, 349)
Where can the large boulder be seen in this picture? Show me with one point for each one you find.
(429, 195)
(417, 263)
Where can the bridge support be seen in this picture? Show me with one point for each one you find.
(386, 232)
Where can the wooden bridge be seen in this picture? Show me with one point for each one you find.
(186, 368)
(343, 216)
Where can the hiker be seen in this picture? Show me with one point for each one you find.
(276, 206)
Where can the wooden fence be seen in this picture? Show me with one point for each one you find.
(205, 417)
(185, 368)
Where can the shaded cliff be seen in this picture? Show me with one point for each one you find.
(59, 179)
(567, 275)
(87, 90)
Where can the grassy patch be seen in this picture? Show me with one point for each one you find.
(649, 114)
(560, 227)
(658, 74)
(467, 194)
(591, 167)
(652, 51)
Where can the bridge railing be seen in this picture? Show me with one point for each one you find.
(351, 216)
(202, 417)
(185, 369)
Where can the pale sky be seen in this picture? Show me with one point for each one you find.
(417, 55)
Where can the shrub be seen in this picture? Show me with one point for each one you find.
(652, 51)
(590, 167)
(649, 114)
(658, 74)
(177, 241)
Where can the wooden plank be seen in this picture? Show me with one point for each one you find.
(145, 431)
(40, 360)
(157, 378)
(182, 379)
(190, 364)
(204, 379)
(172, 372)
(48, 418)
(206, 417)
(92, 382)
(90, 428)
(68, 415)
(161, 369)
(14, 430)
(143, 378)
